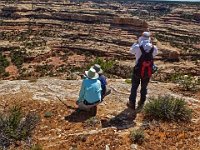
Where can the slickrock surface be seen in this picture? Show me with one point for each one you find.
(65, 129)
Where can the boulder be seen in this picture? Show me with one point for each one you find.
(130, 21)
(174, 55)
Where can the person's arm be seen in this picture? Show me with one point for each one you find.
(155, 51)
(82, 92)
(104, 80)
(133, 48)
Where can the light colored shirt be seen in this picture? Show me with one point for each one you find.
(142, 38)
(90, 90)
(135, 49)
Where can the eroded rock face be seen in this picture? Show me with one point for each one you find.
(91, 30)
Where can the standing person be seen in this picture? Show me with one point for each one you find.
(105, 90)
(90, 92)
(144, 52)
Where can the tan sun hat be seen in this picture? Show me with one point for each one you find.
(92, 74)
(98, 68)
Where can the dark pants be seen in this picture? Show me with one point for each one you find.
(143, 92)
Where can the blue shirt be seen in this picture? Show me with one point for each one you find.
(90, 90)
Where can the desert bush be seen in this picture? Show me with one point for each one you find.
(189, 83)
(3, 63)
(137, 136)
(17, 57)
(167, 108)
(15, 127)
(186, 82)
(105, 64)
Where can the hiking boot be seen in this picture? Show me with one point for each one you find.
(130, 105)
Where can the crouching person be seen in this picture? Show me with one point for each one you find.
(90, 92)
(105, 89)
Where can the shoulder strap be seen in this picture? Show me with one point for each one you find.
(142, 49)
(152, 49)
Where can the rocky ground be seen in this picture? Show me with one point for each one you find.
(61, 39)
(63, 128)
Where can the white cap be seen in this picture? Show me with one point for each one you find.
(146, 34)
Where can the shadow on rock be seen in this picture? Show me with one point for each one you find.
(79, 116)
(124, 120)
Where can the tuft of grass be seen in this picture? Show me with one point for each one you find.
(137, 136)
(167, 108)
(48, 114)
(92, 122)
(14, 126)
(36, 147)
(128, 81)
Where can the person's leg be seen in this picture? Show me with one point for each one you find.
(82, 106)
(143, 91)
(90, 108)
(133, 95)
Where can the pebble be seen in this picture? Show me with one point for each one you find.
(107, 147)
(133, 147)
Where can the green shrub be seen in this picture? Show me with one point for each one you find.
(17, 57)
(186, 82)
(15, 127)
(3, 63)
(105, 64)
(189, 83)
(137, 136)
(167, 108)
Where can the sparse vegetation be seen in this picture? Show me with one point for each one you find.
(92, 122)
(167, 108)
(14, 126)
(17, 57)
(137, 136)
(3, 63)
(36, 147)
(189, 83)
(186, 82)
(128, 81)
(105, 64)
(48, 114)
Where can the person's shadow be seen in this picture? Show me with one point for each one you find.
(79, 116)
(124, 120)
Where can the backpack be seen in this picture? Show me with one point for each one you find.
(144, 66)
